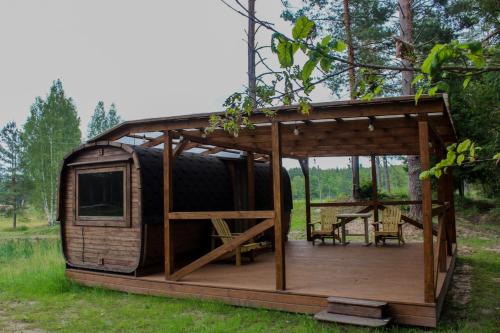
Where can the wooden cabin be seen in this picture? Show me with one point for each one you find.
(153, 236)
(111, 204)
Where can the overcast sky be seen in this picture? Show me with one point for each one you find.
(151, 58)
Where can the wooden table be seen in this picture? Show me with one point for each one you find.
(343, 219)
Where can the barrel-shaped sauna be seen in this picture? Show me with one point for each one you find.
(111, 204)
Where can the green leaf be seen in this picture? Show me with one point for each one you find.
(418, 94)
(463, 146)
(468, 77)
(326, 40)
(338, 46)
(438, 173)
(326, 64)
(460, 159)
(303, 27)
(417, 78)
(308, 69)
(424, 175)
(285, 54)
(431, 61)
(450, 157)
(432, 91)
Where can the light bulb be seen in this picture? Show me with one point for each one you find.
(236, 134)
(204, 135)
(371, 128)
(296, 131)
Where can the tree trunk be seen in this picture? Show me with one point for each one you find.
(252, 80)
(406, 31)
(352, 86)
(387, 175)
(14, 203)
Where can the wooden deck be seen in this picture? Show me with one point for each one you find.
(391, 274)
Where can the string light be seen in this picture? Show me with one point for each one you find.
(296, 131)
(371, 128)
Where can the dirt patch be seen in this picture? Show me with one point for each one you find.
(10, 324)
(460, 292)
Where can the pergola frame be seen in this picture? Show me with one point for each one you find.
(331, 129)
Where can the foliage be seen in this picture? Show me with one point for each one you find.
(101, 121)
(371, 36)
(336, 184)
(476, 116)
(457, 154)
(50, 132)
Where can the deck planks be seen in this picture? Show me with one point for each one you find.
(389, 274)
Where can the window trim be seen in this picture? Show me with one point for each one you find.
(104, 221)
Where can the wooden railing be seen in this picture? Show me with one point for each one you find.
(240, 214)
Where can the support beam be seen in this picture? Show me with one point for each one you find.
(374, 188)
(279, 244)
(304, 164)
(167, 205)
(223, 249)
(180, 148)
(423, 135)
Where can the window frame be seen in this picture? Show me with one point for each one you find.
(104, 221)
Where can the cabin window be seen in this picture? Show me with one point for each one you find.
(101, 196)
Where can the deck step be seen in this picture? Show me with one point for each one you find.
(357, 307)
(351, 320)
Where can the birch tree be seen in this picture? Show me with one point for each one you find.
(51, 131)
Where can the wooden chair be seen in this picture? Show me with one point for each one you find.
(328, 225)
(225, 235)
(391, 226)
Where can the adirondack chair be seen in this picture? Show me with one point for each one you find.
(391, 226)
(225, 235)
(328, 225)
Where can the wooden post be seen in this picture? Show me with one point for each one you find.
(304, 164)
(167, 205)
(374, 189)
(450, 190)
(250, 187)
(279, 244)
(250, 181)
(423, 136)
(444, 216)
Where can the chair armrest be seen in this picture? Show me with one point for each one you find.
(219, 236)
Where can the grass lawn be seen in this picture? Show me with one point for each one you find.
(36, 297)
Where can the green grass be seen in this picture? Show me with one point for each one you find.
(34, 294)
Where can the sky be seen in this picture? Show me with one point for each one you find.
(151, 58)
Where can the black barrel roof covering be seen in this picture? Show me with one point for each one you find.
(200, 183)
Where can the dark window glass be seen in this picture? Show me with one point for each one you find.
(100, 194)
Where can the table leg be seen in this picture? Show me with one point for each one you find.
(367, 238)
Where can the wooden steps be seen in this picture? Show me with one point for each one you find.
(355, 312)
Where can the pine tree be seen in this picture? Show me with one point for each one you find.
(101, 121)
(11, 150)
(98, 122)
(112, 118)
(50, 132)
